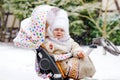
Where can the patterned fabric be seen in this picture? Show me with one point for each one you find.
(32, 31)
(73, 68)
(62, 56)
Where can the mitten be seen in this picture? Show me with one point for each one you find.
(81, 55)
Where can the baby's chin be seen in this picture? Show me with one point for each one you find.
(59, 37)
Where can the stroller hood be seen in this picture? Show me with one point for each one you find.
(32, 30)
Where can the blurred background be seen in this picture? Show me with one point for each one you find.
(88, 18)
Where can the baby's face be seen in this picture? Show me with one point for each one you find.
(58, 33)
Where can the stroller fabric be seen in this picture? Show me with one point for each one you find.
(32, 29)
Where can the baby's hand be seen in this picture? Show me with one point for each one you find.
(81, 55)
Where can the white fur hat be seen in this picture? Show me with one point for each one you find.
(60, 21)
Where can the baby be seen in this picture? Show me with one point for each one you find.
(75, 63)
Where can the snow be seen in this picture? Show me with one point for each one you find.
(18, 64)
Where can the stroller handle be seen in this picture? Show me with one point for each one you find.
(107, 45)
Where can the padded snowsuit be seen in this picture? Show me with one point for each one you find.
(73, 67)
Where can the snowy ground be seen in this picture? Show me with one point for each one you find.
(18, 64)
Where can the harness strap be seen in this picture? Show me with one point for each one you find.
(60, 68)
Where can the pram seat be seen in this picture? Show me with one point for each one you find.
(48, 65)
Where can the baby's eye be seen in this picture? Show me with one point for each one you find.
(62, 30)
(56, 29)
(59, 29)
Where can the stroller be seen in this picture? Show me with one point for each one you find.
(52, 69)
(32, 34)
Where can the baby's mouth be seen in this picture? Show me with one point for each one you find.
(58, 35)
